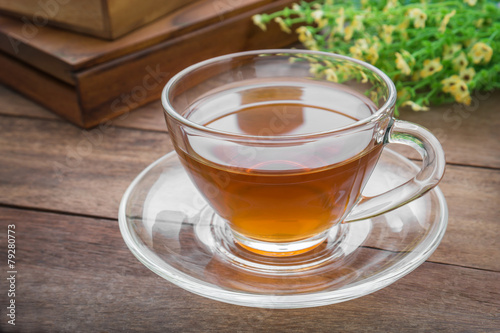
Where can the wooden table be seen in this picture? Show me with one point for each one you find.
(60, 186)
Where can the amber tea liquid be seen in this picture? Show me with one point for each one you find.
(281, 192)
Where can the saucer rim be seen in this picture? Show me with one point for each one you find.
(291, 301)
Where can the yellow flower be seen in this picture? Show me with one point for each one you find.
(390, 4)
(461, 92)
(346, 70)
(282, 25)
(450, 82)
(467, 74)
(409, 58)
(362, 44)
(314, 68)
(374, 96)
(372, 55)
(356, 52)
(418, 17)
(349, 31)
(328, 63)
(402, 64)
(460, 61)
(471, 2)
(296, 8)
(257, 20)
(318, 15)
(415, 107)
(311, 44)
(306, 37)
(431, 67)
(404, 95)
(304, 34)
(450, 50)
(445, 21)
(331, 75)
(481, 52)
(357, 23)
(340, 20)
(364, 77)
(457, 88)
(386, 34)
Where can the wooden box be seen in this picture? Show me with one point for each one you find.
(88, 80)
(102, 18)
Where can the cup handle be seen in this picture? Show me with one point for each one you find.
(433, 166)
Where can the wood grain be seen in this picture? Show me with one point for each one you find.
(83, 16)
(469, 135)
(148, 117)
(473, 231)
(59, 167)
(125, 16)
(107, 19)
(56, 166)
(76, 274)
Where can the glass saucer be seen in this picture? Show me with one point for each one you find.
(170, 228)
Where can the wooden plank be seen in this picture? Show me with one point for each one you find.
(76, 274)
(67, 52)
(14, 104)
(147, 117)
(59, 167)
(56, 166)
(473, 231)
(469, 135)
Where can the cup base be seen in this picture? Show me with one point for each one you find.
(279, 249)
(265, 258)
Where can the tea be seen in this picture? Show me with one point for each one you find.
(281, 192)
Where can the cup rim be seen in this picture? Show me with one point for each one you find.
(170, 110)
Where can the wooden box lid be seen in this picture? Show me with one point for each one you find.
(107, 19)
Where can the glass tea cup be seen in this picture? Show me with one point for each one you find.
(281, 143)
